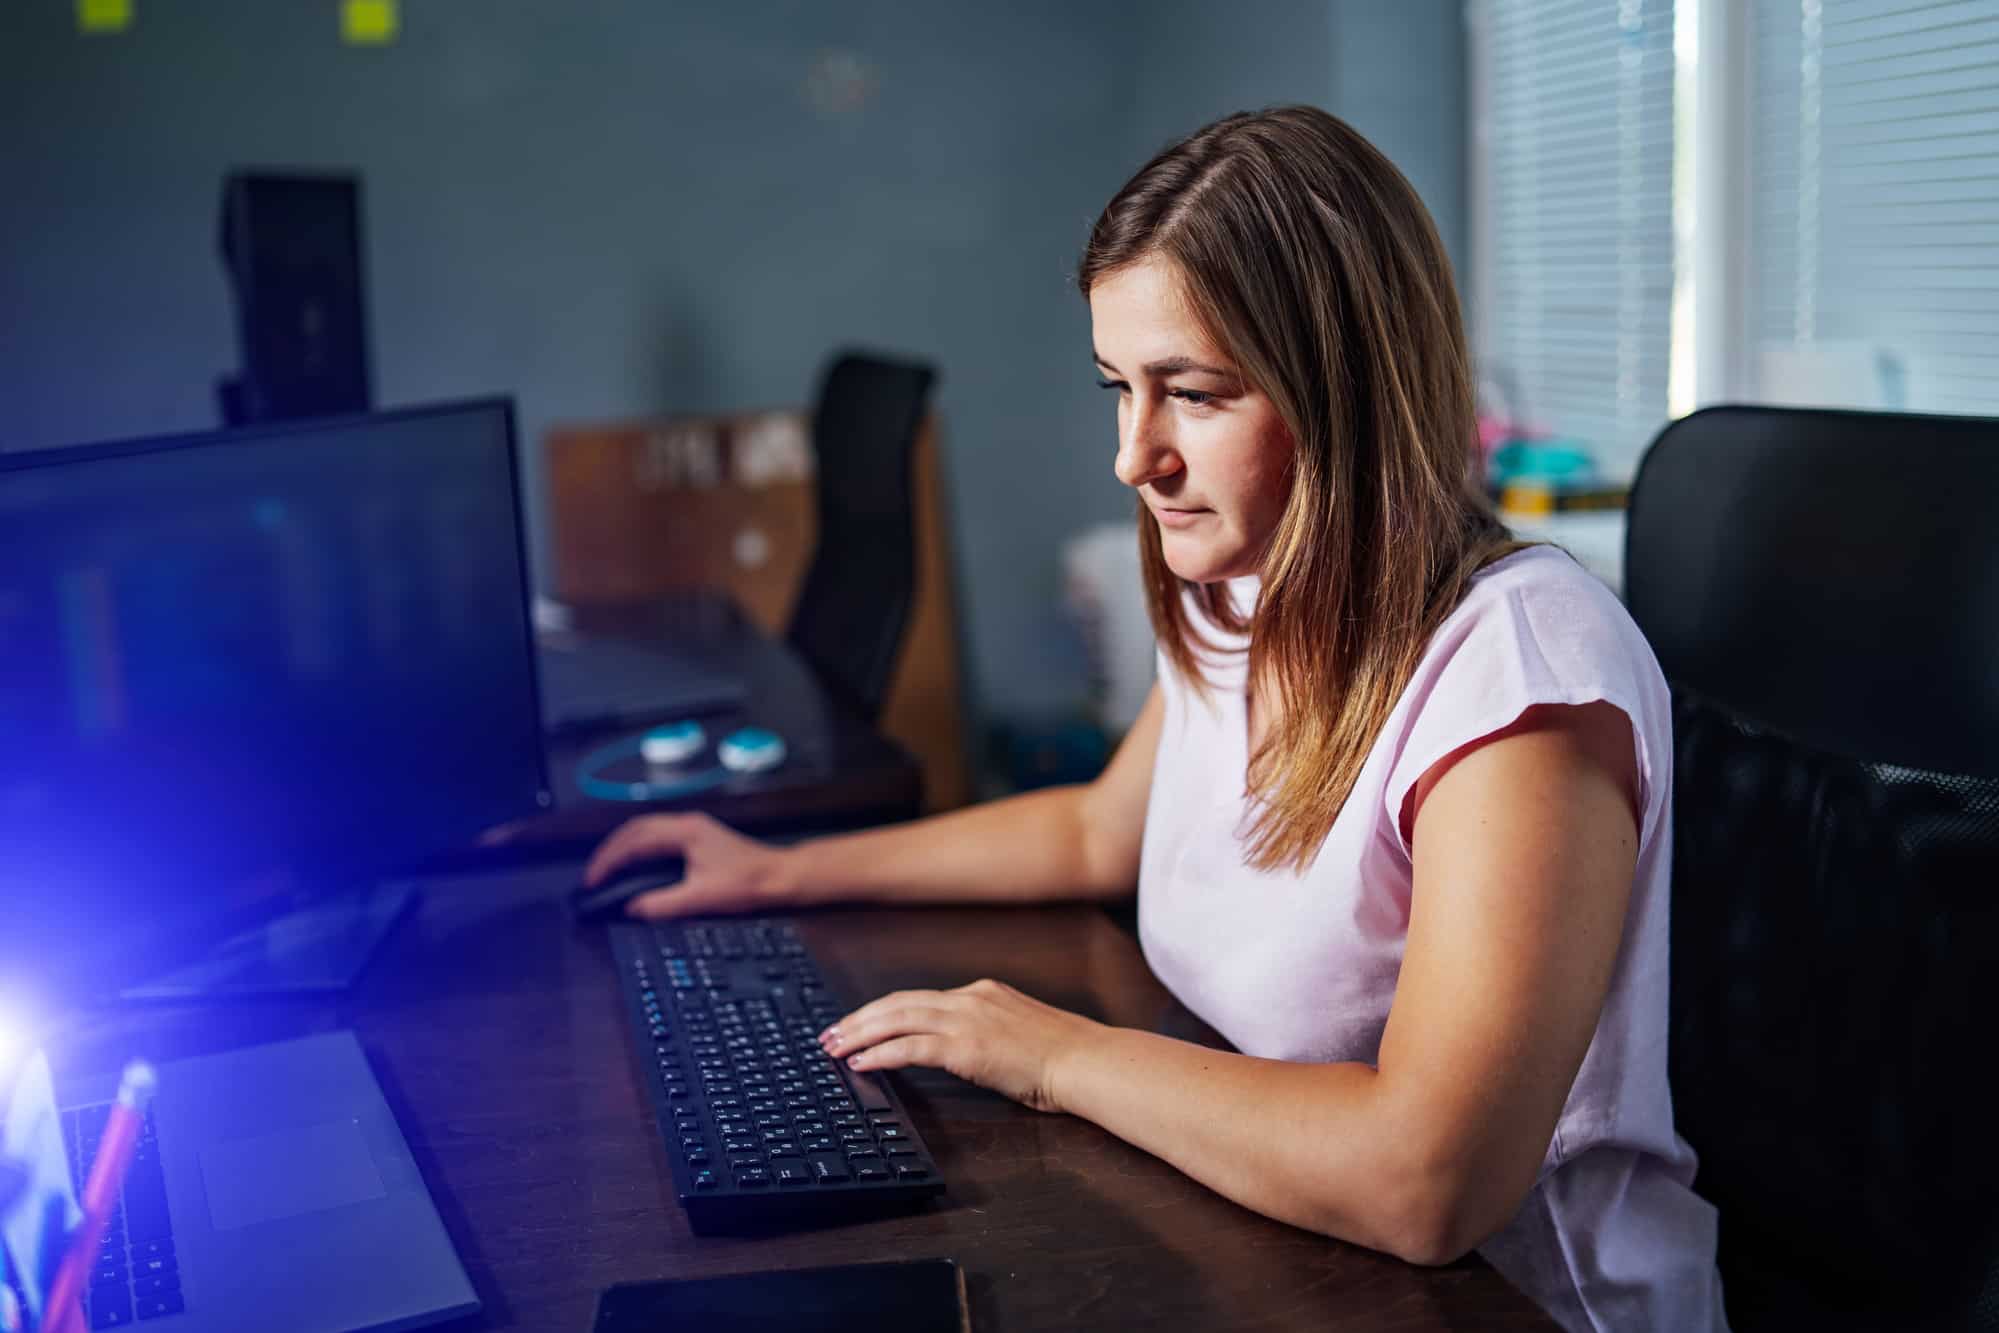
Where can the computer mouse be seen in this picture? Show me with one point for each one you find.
(603, 902)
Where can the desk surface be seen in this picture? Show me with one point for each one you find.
(494, 1026)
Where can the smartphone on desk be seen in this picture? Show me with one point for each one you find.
(914, 1296)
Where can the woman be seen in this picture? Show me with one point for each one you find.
(1397, 809)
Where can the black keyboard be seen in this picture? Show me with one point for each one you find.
(134, 1274)
(763, 1128)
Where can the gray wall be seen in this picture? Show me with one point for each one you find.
(1399, 77)
(613, 208)
(1394, 69)
(1199, 61)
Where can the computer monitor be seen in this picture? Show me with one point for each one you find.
(243, 671)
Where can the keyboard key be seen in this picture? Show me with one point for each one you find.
(155, 1286)
(827, 1168)
(146, 1216)
(909, 1170)
(159, 1248)
(868, 1090)
(753, 1178)
(110, 1306)
(791, 1170)
(870, 1171)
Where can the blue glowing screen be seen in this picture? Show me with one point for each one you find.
(281, 659)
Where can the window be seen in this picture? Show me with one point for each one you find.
(1873, 226)
(1573, 231)
(1835, 168)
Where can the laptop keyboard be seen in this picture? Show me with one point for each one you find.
(762, 1127)
(135, 1274)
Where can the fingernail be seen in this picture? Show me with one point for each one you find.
(858, 1062)
(830, 1034)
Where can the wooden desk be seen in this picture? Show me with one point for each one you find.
(840, 772)
(495, 1026)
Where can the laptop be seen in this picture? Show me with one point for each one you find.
(271, 1190)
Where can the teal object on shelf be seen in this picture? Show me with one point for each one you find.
(1561, 462)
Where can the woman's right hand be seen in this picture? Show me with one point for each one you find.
(726, 872)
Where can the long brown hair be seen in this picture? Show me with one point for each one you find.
(1307, 257)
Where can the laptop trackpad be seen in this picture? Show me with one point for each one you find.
(288, 1173)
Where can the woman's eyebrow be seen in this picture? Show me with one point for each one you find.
(1174, 365)
(1181, 365)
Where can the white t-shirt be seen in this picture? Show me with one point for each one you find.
(1303, 966)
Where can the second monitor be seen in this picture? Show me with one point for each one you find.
(248, 670)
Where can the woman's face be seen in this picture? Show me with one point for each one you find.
(1207, 453)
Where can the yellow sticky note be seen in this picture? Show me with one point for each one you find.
(103, 15)
(368, 22)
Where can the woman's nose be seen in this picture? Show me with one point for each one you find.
(1145, 454)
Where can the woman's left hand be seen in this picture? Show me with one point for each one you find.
(986, 1033)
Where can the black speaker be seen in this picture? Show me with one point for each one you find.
(292, 247)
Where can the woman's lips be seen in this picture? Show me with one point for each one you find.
(1179, 518)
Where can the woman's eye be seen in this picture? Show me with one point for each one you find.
(1119, 385)
(1194, 397)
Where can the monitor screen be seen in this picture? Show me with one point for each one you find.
(255, 665)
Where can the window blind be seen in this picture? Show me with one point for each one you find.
(1574, 234)
(1873, 228)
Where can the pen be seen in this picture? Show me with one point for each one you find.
(63, 1311)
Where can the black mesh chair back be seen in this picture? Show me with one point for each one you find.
(1822, 591)
(858, 591)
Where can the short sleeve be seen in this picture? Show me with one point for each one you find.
(1542, 638)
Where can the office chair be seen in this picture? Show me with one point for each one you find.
(856, 597)
(1822, 591)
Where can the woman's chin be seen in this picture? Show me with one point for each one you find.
(1203, 562)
